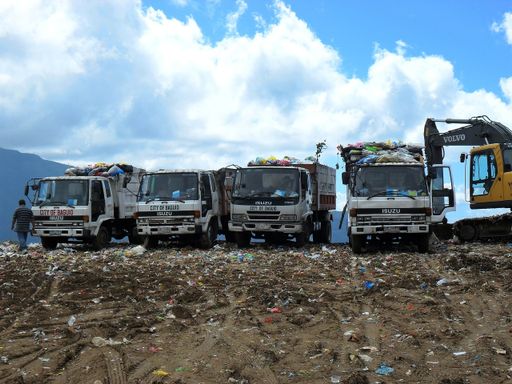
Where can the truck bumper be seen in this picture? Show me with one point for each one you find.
(169, 230)
(265, 227)
(389, 229)
(62, 232)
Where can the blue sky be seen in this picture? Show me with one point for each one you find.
(188, 83)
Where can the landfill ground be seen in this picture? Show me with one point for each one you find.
(267, 314)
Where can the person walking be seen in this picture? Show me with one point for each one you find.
(21, 221)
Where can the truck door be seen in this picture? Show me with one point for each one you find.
(109, 200)
(215, 195)
(97, 200)
(442, 194)
(206, 194)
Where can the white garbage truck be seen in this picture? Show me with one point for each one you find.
(281, 202)
(390, 197)
(87, 209)
(189, 205)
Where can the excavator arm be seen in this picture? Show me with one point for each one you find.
(479, 130)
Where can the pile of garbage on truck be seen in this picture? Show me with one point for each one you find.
(100, 169)
(286, 160)
(381, 152)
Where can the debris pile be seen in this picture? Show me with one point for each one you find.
(381, 152)
(286, 160)
(100, 169)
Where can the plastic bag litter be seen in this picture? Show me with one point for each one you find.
(139, 250)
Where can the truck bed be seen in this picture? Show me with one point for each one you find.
(323, 180)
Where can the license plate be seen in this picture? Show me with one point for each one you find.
(261, 226)
(165, 230)
(391, 230)
(54, 233)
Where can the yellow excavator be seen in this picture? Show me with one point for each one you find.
(490, 171)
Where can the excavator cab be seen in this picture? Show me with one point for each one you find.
(490, 181)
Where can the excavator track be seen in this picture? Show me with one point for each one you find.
(490, 228)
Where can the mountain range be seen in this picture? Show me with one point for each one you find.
(19, 168)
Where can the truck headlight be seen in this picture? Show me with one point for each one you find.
(418, 218)
(188, 220)
(239, 216)
(142, 220)
(288, 217)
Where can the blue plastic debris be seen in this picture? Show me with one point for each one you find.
(369, 284)
(384, 370)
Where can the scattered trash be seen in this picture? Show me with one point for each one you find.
(98, 341)
(442, 281)
(500, 351)
(161, 373)
(369, 284)
(384, 370)
(335, 379)
(71, 320)
(461, 353)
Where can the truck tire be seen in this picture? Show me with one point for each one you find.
(357, 242)
(102, 239)
(423, 243)
(326, 232)
(150, 242)
(229, 236)
(208, 237)
(49, 243)
(242, 239)
(134, 237)
(301, 239)
(317, 236)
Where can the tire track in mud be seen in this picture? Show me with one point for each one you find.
(115, 367)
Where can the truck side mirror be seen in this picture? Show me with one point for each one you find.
(345, 177)
(507, 168)
(126, 181)
(26, 190)
(462, 157)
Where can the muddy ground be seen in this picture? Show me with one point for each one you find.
(262, 315)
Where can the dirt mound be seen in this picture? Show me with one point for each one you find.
(262, 315)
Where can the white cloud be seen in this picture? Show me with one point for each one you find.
(232, 18)
(506, 87)
(505, 26)
(114, 81)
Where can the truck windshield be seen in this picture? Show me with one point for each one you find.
(390, 181)
(266, 182)
(62, 192)
(168, 187)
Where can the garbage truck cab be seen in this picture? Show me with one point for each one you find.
(280, 202)
(389, 202)
(87, 209)
(181, 204)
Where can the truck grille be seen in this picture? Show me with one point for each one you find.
(253, 215)
(168, 221)
(58, 224)
(378, 220)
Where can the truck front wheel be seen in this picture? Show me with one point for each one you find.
(49, 243)
(208, 238)
(423, 243)
(301, 238)
(242, 239)
(357, 242)
(102, 239)
(150, 242)
(325, 232)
